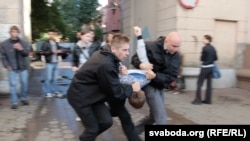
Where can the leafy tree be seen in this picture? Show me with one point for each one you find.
(79, 12)
(45, 16)
(66, 16)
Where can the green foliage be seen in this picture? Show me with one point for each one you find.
(98, 33)
(79, 12)
(45, 16)
(65, 16)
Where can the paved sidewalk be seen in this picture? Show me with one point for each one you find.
(229, 106)
(13, 123)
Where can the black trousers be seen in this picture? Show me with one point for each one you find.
(95, 118)
(205, 74)
(118, 109)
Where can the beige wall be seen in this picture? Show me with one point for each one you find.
(166, 11)
(15, 12)
(163, 16)
(127, 19)
(248, 22)
(203, 19)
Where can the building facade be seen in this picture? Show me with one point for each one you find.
(112, 16)
(227, 22)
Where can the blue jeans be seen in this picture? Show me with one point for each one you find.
(50, 85)
(155, 99)
(23, 77)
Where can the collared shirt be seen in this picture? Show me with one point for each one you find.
(53, 47)
(83, 56)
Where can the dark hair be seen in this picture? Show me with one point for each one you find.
(14, 28)
(208, 37)
(118, 39)
(91, 30)
(51, 30)
(106, 37)
(83, 32)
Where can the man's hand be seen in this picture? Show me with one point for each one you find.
(137, 31)
(75, 69)
(136, 87)
(173, 84)
(9, 68)
(146, 66)
(18, 46)
(150, 75)
(123, 70)
(57, 51)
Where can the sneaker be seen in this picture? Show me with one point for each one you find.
(48, 95)
(57, 94)
(78, 119)
(25, 102)
(14, 107)
(176, 92)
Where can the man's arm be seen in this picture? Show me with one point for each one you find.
(110, 83)
(203, 54)
(25, 49)
(5, 61)
(163, 79)
(135, 61)
(215, 57)
(45, 49)
(141, 49)
(75, 59)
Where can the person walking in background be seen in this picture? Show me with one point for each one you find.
(51, 50)
(14, 52)
(94, 44)
(96, 82)
(80, 52)
(84, 48)
(164, 60)
(108, 37)
(208, 56)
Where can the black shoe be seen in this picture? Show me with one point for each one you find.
(14, 107)
(25, 102)
(205, 102)
(196, 102)
(139, 129)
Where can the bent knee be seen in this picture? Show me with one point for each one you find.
(107, 124)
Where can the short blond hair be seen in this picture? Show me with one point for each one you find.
(118, 39)
(14, 27)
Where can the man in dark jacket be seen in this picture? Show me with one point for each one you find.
(208, 56)
(14, 54)
(165, 59)
(96, 82)
(51, 50)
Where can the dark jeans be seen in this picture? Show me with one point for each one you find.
(206, 73)
(118, 109)
(95, 119)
